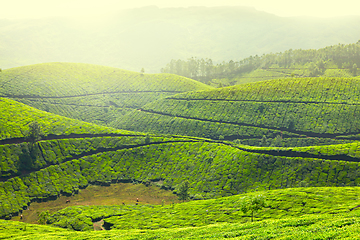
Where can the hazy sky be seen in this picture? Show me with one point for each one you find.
(44, 8)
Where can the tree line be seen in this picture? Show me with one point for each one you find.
(344, 56)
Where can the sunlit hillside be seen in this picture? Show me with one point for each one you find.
(303, 213)
(62, 162)
(285, 112)
(90, 93)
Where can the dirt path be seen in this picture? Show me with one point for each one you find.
(115, 194)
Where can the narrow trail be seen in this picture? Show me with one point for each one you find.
(89, 153)
(258, 101)
(277, 152)
(309, 134)
(85, 95)
(83, 105)
(70, 136)
(290, 153)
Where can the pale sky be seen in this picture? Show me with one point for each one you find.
(14, 9)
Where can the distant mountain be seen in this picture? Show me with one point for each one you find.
(150, 37)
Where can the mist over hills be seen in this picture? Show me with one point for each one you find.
(150, 37)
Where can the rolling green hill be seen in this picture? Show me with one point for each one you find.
(16, 117)
(285, 112)
(61, 164)
(287, 120)
(88, 92)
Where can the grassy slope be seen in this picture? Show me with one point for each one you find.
(293, 202)
(261, 74)
(15, 118)
(324, 216)
(315, 107)
(88, 92)
(63, 165)
(210, 167)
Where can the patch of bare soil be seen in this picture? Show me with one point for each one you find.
(115, 194)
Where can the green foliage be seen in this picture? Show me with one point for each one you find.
(43, 217)
(321, 108)
(252, 204)
(16, 117)
(296, 203)
(88, 92)
(147, 139)
(319, 226)
(210, 167)
(183, 191)
(33, 134)
(291, 63)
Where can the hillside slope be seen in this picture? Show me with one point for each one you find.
(61, 164)
(326, 109)
(88, 92)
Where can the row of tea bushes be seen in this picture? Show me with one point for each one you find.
(102, 109)
(159, 123)
(336, 90)
(281, 203)
(15, 158)
(78, 79)
(313, 107)
(291, 142)
(299, 117)
(212, 169)
(15, 118)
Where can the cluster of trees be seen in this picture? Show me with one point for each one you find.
(316, 61)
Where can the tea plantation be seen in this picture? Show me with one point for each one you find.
(303, 213)
(295, 112)
(90, 93)
(304, 159)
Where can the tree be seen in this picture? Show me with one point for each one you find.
(183, 191)
(354, 69)
(28, 158)
(33, 133)
(252, 204)
(142, 70)
(43, 217)
(147, 139)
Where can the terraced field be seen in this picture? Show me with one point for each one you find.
(88, 92)
(283, 112)
(62, 163)
(305, 133)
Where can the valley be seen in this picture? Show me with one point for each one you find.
(263, 148)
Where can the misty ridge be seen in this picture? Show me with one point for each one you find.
(150, 37)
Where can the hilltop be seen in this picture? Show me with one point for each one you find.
(87, 92)
(284, 112)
